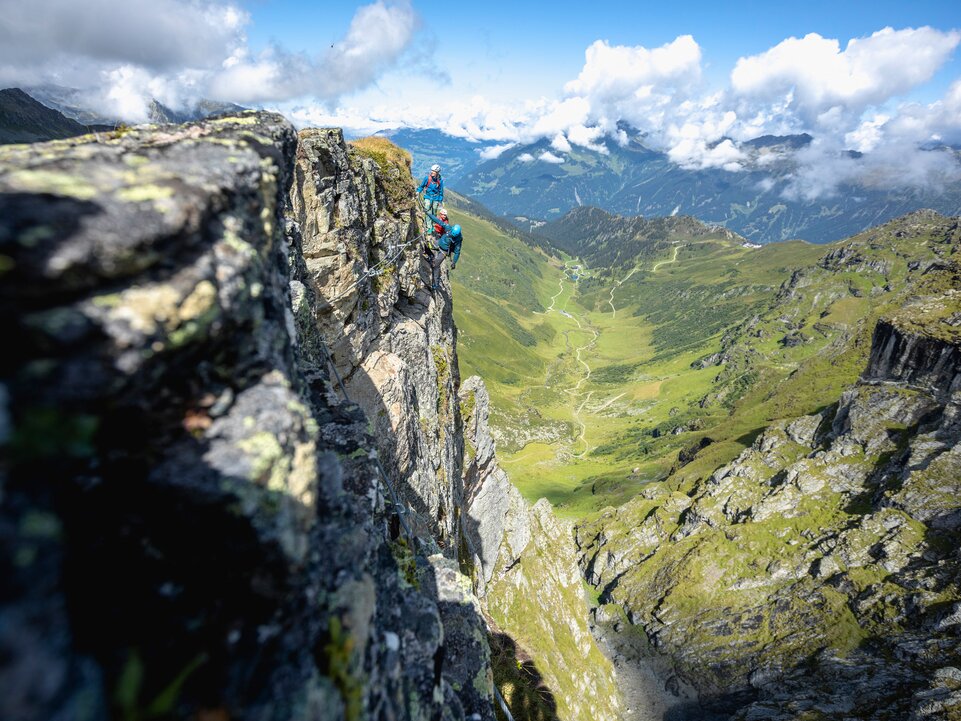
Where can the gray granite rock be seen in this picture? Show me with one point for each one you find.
(192, 521)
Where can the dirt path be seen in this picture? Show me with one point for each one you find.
(617, 285)
(560, 289)
(663, 262)
(580, 399)
(622, 281)
(575, 391)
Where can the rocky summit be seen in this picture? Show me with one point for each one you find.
(236, 483)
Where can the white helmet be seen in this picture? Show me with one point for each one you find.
(441, 211)
(435, 168)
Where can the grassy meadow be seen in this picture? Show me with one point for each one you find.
(600, 379)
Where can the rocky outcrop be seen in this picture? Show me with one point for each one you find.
(525, 570)
(497, 522)
(814, 576)
(392, 340)
(192, 523)
(911, 349)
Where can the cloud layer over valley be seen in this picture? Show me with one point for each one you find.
(851, 95)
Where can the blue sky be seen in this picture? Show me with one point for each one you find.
(514, 48)
(697, 78)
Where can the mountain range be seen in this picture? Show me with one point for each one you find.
(75, 105)
(536, 181)
(456, 155)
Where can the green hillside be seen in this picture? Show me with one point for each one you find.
(603, 381)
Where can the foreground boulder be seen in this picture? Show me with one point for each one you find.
(192, 523)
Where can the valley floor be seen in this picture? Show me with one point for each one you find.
(597, 376)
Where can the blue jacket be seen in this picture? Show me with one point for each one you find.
(434, 188)
(447, 242)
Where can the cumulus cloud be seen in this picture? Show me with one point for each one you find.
(179, 51)
(156, 34)
(548, 157)
(559, 142)
(826, 84)
(494, 151)
(823, 171)
(378, 34)
(619, 72)
(526, 158)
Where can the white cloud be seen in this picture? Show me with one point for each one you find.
(179, 51)
(559, 142)
(938, 122)
(548, 157)
(826, 84)
(619, 72)
(494, 151)
(561, 116)
(867, 135)
(155, 34)
(378, 34)
(526, 158)
(588, 138)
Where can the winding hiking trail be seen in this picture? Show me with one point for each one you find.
(579, 399)
(663, 262)
(574, 392)
(622, 281)
(560, 289)
(618, 284)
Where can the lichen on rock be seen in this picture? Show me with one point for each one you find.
(192, 521)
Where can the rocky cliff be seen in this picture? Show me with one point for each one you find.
(391, 339)
(198, 519)
(815, 576)
(193, 524)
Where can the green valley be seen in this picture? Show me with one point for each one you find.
(603, 380)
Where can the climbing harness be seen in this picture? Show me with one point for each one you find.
(378, 268)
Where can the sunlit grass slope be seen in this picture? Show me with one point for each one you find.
(605, 380)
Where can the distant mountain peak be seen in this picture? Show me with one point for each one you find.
(791, 142)
(25, 120)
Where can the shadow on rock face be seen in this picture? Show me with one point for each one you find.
(520, 682)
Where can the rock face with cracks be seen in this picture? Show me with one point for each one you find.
(392, 340)
(192, 523)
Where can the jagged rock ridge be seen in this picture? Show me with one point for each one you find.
(192, 520)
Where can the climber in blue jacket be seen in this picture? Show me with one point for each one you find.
(447, 244)
(433, 189)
